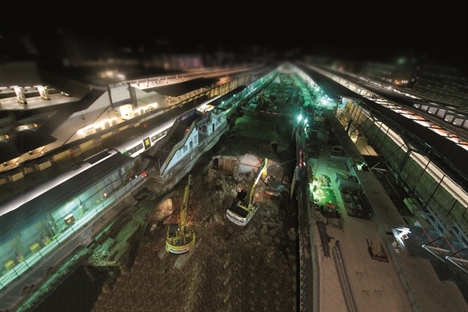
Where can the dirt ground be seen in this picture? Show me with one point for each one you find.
(233, 268)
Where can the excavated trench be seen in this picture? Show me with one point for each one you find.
(251, 268)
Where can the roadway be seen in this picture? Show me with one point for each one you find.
(11, 104)
(165, 88)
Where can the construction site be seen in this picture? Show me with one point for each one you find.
(228, 267)
(269, 219)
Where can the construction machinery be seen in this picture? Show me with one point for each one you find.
(243, 208)
(179, 238)
(263, 101)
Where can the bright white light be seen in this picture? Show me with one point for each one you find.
(454, 138)
(464, 146)
(423, 123)
(84, 130)
(439, 131)
(409, 116)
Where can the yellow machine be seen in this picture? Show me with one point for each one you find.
(243, 208)
(180, 239)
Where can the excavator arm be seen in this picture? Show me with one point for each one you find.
(183, 210)
(243, 208)
(180, 239)
(261, 172)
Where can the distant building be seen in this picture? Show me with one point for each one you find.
(447, 84)
(398, 75)
(443, 83)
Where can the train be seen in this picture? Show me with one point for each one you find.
(146, 140)
(132, 148)
(30, 195)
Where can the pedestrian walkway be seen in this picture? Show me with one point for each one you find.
(396, 282)
(375, 285)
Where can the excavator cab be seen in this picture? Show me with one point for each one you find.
(172, 230)
(241, 196)
(236, 205)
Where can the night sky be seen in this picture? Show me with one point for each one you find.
(358, 30)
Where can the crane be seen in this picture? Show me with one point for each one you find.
(243, 208)
(180, 239)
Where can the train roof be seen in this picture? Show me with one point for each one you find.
(19, 208)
